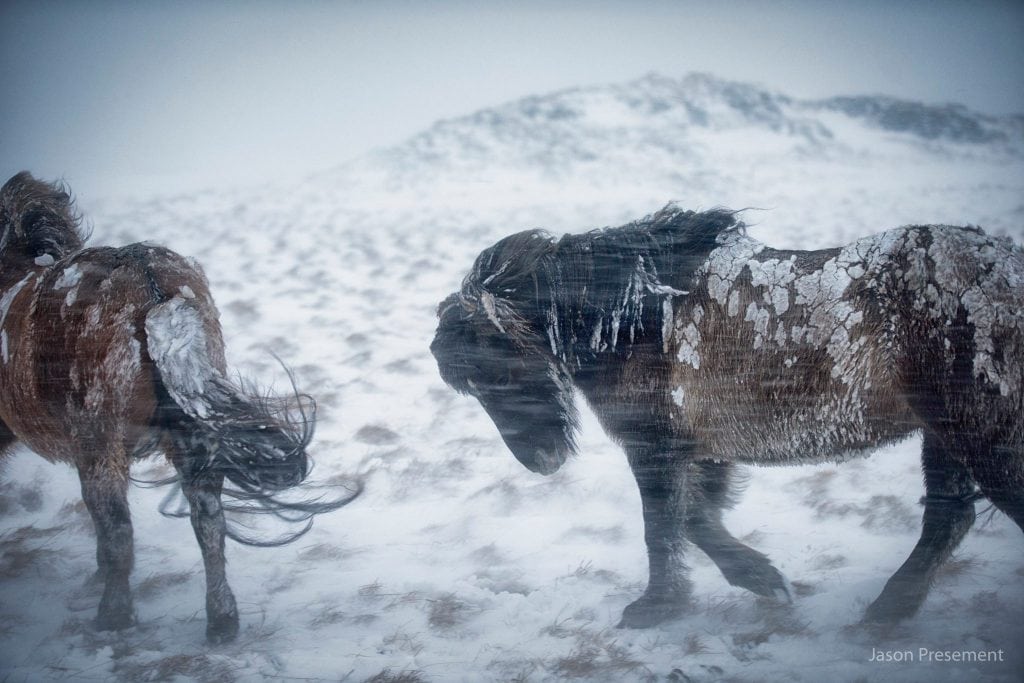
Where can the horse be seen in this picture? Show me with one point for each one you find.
(698, 348)
(111, 354)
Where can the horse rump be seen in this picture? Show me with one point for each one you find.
(255, 440)
(255, 446)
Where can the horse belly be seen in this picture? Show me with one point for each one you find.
(768, 413)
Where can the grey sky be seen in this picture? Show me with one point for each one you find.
(147, 97)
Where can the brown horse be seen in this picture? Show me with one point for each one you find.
(698, 347)
(110, 354)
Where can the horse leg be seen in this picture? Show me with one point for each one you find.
(105, 492)
(663, 495)
(7, 439)
(740, 565)
(203, 491)
(948, 515)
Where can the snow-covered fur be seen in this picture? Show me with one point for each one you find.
(110, 354)
(253, 441)
(699, 347)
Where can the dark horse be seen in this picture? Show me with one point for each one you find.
(110, 354)
(699, 348)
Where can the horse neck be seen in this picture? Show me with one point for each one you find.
(14, 270)
(596, 307)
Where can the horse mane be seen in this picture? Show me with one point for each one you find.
(602, 290)
(38, 218)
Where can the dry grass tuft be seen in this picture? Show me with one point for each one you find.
(16, 561)
(711, 673)
(880, 513)
(776, 620)
(195, 667)
(585, 570)
(324, 551)
(446, 611)
(73, 626)
(487, 555)
(327, 616)
(594, 657)
(18, 553)
(402, 599)
(958, 566)
(28, 497)
(582, 569)
(401, 642)
(370, 590)
(505, 492)
(693, 645)
(986, 602)
(889, 513)
(813, 487)
(419, 475)
(155, 584)
(726, 609)
(403, 676)
(376, 435)
(364, 619)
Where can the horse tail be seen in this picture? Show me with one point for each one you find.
(258, 442)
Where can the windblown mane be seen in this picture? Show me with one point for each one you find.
(600, 291)
(38, 218)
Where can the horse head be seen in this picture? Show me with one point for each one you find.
(37, 219)
(492, 345)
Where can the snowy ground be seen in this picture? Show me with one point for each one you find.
(457, 564)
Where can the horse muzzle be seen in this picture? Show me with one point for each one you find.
(542, 461)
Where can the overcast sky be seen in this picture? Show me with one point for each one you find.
(166, 97)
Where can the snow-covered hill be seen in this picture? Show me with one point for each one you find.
(457, 564)
(702, 141)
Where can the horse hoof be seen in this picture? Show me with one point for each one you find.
(649, 611)
(899, 600)
(783, 595)
(114, 621)
(759, 576)
(223, 630)
(885, 614)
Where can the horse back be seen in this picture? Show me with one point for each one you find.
(75, 374)
(781, 356)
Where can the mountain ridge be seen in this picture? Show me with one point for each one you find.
(695, 121)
